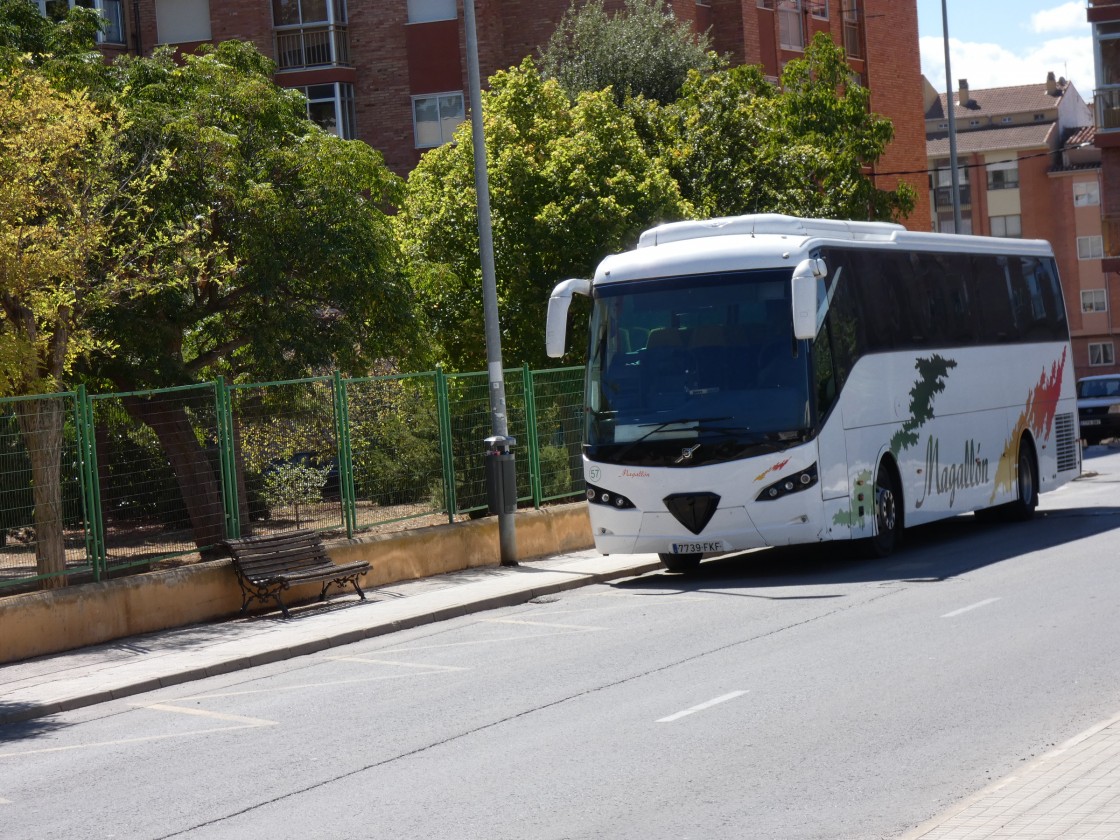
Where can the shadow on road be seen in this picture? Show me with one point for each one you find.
(929, 553)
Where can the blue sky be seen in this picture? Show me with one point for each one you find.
(999, 43)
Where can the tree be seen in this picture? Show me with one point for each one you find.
(60, 199)
(297, 266)
(64, 51)
(641, 51)
(740, 145)
(569, 183)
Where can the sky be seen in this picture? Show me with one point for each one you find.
(1001, 43)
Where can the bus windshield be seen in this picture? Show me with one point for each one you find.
(705, 365)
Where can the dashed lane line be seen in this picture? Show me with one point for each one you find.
(969, 608)
(723, 698)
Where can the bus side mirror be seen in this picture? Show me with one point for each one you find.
(556, 327)
(804, 297)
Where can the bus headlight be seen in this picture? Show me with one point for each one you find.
(790, 484)
(599, 496)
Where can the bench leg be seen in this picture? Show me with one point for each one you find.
(283, 609)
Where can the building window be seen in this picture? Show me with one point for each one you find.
(850, 15)
(1093, 300)
(1090, 248)
(435, 117)
(303, 12)
(112, 31)
(182, 21)
(1086, 193)
(791, 31)
(1101, 353)
(427, 11)
(1005, 120)
(819, 9)
(1040, 118)
(1003, 175)
(1006, 226)
(766, 4)
(973, 123)
(331, 106)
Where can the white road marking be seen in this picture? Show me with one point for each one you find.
(976, 606)
(541, 624)
(127, 741)
(723, 698)
(190, 710)
(419, 665)
(4, 801)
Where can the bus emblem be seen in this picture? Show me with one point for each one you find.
(686, 453)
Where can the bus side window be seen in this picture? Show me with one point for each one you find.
(995, 296)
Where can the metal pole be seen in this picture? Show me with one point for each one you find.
(951, 108)
(507, 536)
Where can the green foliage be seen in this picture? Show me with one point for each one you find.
(394, 438)
(294, 484)
(642, 50)
(67, 186)
(65, 51)
(299, 269)
(737, 144)
(569, 183)
(556, 471)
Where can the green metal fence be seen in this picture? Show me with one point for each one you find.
(96, 485)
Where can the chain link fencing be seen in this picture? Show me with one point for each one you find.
(97, 485)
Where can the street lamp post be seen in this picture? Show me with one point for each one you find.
(502, 497)
(951, 108)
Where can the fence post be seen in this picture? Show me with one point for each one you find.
(227, 459)
(345, 456)
(447, 458)
(531, 432)
(87, 468)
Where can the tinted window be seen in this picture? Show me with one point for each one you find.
(913, 300)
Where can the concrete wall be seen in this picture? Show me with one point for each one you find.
(42, 623)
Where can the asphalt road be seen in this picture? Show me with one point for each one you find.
(801, 693)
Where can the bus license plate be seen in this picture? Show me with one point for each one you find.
(702, 547)
(1090, 422)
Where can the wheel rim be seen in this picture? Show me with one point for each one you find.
(886, 513)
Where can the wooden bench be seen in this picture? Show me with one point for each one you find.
(269, 564)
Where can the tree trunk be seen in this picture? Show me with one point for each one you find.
(198, 484)
(40, 423)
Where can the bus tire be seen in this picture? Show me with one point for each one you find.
(1026, 485)
(682, 563)
(888, 513)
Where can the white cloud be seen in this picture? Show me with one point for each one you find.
(991, 65)
(1069, 17)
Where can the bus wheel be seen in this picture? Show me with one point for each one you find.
(888, 522)
(681, 562)
(1022, 509)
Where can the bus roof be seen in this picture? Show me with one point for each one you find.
(774, 241)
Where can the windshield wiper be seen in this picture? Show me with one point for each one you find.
(689, 426)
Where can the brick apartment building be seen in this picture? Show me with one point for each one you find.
(393, 72)
(1104, 15)
(1027, 167)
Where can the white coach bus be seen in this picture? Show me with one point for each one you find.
(767, 380)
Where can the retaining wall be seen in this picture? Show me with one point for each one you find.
(40, 623)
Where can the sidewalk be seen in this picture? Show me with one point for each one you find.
(1072, 793)
(49, 684)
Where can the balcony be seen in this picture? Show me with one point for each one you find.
(1108, 108)
(312, 46)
